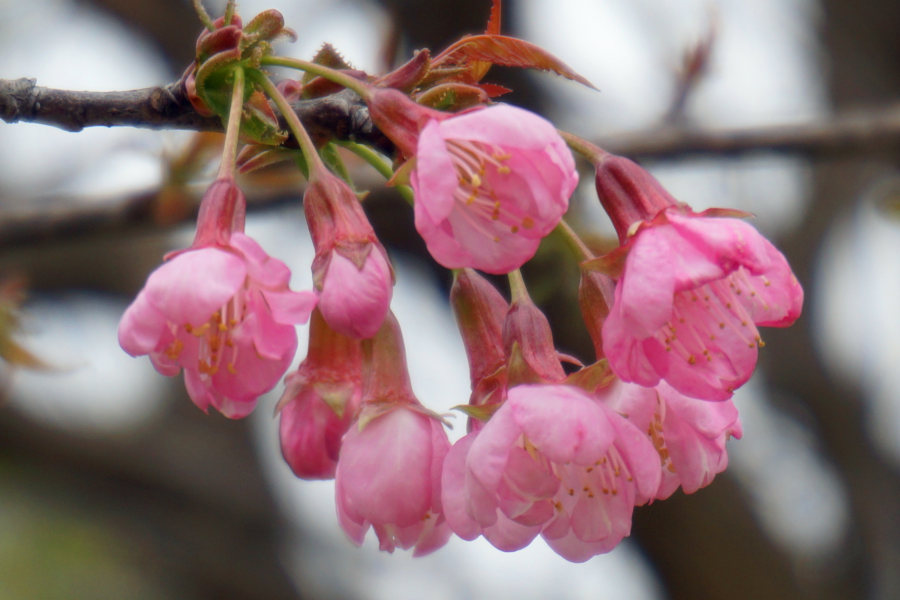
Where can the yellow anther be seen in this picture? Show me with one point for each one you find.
(504, 170)
(527, 222)
(231, 369)
(476, 180)
(514, 229)
(188, 327)
(691, 359)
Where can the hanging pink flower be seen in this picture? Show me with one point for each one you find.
(388, 476)
(351, 270)
(551, 461)
(489, 184)
(389, 471)
(690, 297)
(688, 434)
(220, 310)
(320, 401)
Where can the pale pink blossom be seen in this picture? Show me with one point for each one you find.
(389, 476)
(689, 434)
(690, 297)
(354, 301)
(225, 315)
(551, 461)
(389, 471)
(320, 402)
(489, 183)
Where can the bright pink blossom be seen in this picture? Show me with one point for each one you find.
(688, 434)
(554, 461)
(226, 316)
(320, 401)
(489, 184)
(351, 270)
(691, 295)
(389, 477)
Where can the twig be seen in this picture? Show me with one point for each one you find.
(865, 132)
(341, 116)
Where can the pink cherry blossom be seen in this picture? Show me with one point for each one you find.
(489, 185)
(320, 401)
(354, 301)
(226, 316)
(689, 300)
(389, 477)
(551, 461)
(351, 270)
(688, 434)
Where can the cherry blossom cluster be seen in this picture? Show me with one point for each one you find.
(674, 311)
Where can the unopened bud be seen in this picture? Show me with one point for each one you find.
(629, 193)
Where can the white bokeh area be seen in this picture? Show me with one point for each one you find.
(857, 321)
(91, 386)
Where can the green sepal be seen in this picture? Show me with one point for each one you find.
(592, 378)
(482, 412)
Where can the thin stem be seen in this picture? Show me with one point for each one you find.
(306, 144)
(583, 147)
(204, 16)
(229, 12)
(379, 164)
(360, 87)
(575, 243)
(370, 156)
(232, 133)
(517, 287)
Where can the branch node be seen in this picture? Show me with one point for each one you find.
(16, 97)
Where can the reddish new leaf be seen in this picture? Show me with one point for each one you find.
(409, 75)
(507, 52)
(493, 26)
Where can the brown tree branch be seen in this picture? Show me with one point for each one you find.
(342, 116)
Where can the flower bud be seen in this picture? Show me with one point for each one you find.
(528, 342)
(351, 271)
(629, 193)
(320, 401)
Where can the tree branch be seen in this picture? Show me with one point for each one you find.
(342, 116)
(871, 131)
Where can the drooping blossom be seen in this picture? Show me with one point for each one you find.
(489, 183)
(551, 461)
(351, 270)
(221, 310)
(688, 303)
(320, 401)
(689, 434)
(389, 470)
(691, 291)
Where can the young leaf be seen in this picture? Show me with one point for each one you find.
(507, 52)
